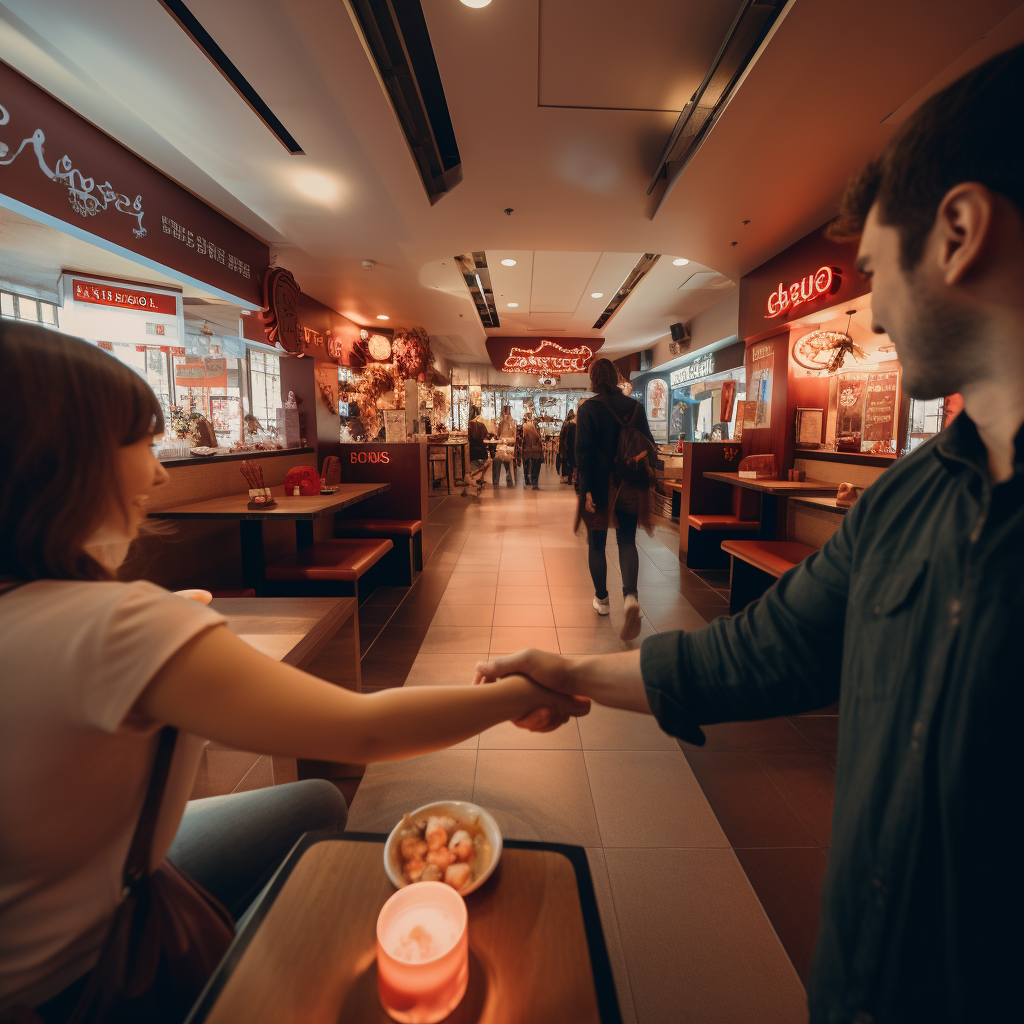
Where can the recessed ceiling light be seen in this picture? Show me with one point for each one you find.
(680, 262)
(506, 263)
(476, 3)
(597, 295)
(381, 316)
(316, 186)
(513, 305)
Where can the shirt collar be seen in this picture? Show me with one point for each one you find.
(960, 445)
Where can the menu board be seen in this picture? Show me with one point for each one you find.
(760, 388)
(394, 425)
(728, 398)
(878, 430)
(657, 399)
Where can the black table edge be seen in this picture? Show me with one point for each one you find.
(604, 983)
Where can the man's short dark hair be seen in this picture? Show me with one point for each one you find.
(967, 132)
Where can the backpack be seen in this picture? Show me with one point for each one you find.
(635, 455)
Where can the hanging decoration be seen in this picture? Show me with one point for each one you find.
(280, 316)
(411, 352)
(827, 350)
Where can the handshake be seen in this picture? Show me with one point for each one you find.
(565, 686)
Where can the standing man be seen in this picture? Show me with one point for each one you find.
(505, 452)
(910, 615)
(533, 453)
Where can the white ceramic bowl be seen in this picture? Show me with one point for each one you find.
(461, 811)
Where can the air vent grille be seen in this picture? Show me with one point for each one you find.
(195, 31)
(473, 267)
(395, 35)
(643, 267)
(753, 22)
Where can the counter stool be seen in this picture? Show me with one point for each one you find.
(405, 535)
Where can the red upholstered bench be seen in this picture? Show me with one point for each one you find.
(328, 568)
(755, 563)
(706, 534)
(405, 534)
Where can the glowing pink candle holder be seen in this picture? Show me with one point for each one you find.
(422, 953)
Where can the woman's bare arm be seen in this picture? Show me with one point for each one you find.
(219, 687)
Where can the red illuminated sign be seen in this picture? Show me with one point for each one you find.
(125, 298)
(548, 359)
(824, 281)
(370, 457)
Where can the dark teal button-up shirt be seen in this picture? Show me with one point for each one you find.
(912, 615)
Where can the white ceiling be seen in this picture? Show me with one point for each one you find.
(814, 106)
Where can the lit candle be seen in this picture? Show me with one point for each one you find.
(422, 953)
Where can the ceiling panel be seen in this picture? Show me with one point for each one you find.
(591, 55)
(559, 279)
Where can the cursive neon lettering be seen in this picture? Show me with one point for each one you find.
(784, 298)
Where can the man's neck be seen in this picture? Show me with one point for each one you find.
(996, 408)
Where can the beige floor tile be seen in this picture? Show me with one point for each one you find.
(562, 593)
(393, 788)
(463, 615)
(682, 616)
(589, 640)
(509, 578)
(650, 798)
(577, 615)
(457, 639)
(610, 927)
(507, 639)
(698, 945)
(522, 595)
(474, 579)
(432, 668)
(510, 737)
(456, 593)
(538, 794)
(612, 729)
(524, 615)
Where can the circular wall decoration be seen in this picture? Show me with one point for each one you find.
(380, 348)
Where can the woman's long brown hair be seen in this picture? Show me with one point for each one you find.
(65, 408)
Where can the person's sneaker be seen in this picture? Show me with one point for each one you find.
(602, 606)
(631, 627)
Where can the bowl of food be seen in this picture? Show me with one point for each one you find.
(449, 841)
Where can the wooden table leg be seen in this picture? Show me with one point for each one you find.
(253, 567)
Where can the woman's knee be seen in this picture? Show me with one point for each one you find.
(322, 805)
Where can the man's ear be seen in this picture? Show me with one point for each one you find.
(963, 223)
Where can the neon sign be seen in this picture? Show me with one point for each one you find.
(823, 281)
(549, 359)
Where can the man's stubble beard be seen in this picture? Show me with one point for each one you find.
(943, 350)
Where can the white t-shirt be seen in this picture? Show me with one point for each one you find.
(75, 765)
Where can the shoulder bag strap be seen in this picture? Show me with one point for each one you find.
(619, 419)
(136, 865)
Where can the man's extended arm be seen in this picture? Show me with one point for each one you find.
(781, 655)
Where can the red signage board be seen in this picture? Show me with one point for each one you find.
(56, 163)
(811, 275)
(125, 298)
(543, 357)
(201, 372)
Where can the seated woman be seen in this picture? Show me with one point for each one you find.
(93, 668)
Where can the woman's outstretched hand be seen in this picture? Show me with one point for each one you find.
(552, 672)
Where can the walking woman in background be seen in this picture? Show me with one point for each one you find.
(606, 499)
(107, 684)
(506, 450)
(478, 458)
(567, 447)
(533, 453)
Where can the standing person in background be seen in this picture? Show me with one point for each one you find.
(605, 499)
(567, 447)
(478, 458)
(505, 454)
(533, 453)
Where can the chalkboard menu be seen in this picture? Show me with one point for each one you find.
(881, 402)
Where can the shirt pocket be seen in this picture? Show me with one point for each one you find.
(885, 618)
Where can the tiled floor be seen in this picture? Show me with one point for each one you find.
(688, 938)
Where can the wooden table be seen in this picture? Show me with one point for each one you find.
(250, 521)
(449, 455)
(308, 954)
(773, 497)
(821, 501)
(293, 630)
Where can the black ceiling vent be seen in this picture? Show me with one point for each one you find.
(473, 266)
(643, 267)
(395, 36)
(749, 29)
(195, 31)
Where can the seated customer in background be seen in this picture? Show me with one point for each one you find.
(910, 615)
(93, 667)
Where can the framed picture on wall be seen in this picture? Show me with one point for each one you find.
(809, 423)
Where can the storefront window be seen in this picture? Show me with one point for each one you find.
(926, 418)
(705, 410)
(265, 386)
(19, 307)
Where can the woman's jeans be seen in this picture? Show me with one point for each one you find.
(496, 472)
(629, 557)
(232, 846)
(531, 471)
